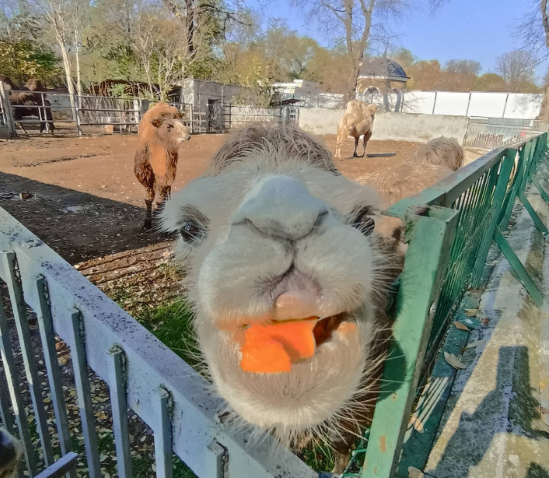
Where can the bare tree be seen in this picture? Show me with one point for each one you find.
(517, 68)
(64, 20)
(355, 19)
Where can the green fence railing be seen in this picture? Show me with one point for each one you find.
(449, 230)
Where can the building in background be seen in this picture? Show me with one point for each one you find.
(381, 75)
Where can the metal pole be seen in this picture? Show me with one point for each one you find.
(435, 103)
(6, 109)
(44, 112)
(505, 106)
(75, 114)
(468, 105)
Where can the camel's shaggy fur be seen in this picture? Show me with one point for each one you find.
(433, 162)
(272, 216)
(161, 131)
(440, 151)
(357, 121)
(25, 96)
(10, 454)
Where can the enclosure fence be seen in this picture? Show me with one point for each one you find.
(489, 133)
(449, 230)
(83, 113)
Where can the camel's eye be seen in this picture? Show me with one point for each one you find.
(169, 127)
(191, 231)
(364, 221)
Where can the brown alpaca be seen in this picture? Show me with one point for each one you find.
(160, 134)
(432, 162)
(25, 96)
(357, 121)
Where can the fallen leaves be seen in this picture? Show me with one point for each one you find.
(454, 361)
(476, 343)
(415, 473)
(461, 326)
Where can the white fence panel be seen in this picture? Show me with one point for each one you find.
(524, 106)
(491, 105)
(453, 104)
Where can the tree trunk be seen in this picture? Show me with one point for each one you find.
(78, 78)
(544, 112)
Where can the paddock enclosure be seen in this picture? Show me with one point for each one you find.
(92, 392)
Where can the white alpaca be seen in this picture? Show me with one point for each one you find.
(272, 219)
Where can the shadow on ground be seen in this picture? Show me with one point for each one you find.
(473, 440)
(78, 226)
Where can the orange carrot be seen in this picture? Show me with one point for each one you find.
(272, 348)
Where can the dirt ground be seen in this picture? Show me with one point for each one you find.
(86, 201)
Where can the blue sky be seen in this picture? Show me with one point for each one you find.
(478, 30)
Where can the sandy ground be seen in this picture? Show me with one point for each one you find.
(86, 201)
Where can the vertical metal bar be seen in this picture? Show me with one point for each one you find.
(425, 266)
(434, 103)
(44, 112)
(76, 114)
(82, 381)
(120, 412)
(22, 325)
(12, 376)
(45, 325)
(163, 436)
(6, 109)
(497, 204)
(519, 269)
(5, 413)
(468, 105)
(505, 106)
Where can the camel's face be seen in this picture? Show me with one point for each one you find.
(263, 230)
(171, 129)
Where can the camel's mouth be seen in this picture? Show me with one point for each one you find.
(325, 328)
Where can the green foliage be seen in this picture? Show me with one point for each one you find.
(21, 59)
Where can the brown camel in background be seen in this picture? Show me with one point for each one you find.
(160, 133)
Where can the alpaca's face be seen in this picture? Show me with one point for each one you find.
(264, 230)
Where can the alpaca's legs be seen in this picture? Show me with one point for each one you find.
(148, 203)
(367, 137)
(356, 147)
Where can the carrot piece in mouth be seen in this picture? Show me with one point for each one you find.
(272, 348)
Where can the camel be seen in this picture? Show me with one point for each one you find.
(10, 454)
(357, 121)
(432, 162)
(272, 231)
(161, 132)
(25, 96)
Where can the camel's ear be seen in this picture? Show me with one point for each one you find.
(157, 122)
(373, 109)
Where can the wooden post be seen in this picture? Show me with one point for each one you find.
(6, 109)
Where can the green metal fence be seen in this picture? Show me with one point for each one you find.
(449, 230)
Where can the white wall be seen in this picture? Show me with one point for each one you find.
(389, 126)
(491, 105)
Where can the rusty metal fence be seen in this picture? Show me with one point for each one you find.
(49, 111)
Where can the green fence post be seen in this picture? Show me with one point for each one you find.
(497, 205)
(426, 262)
(510, 200)
(519, 269)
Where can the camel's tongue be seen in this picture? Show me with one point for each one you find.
(301, 304)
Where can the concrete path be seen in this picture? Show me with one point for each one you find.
(493, 425)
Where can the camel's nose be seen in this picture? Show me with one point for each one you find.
(281, 207)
